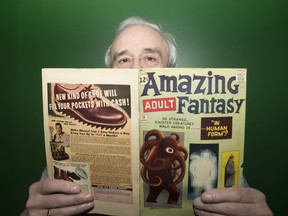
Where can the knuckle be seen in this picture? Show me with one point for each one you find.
(47, 185)
(32, 188)
(261, 196)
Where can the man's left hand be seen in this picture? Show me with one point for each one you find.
(232, 201)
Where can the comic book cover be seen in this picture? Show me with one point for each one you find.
(191, 135)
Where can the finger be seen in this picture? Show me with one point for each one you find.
(72, 210)
(239, 209)
(49, 186)
(240, 202)
(237, 195)
(46, 194)
(199, 212)
(64, 200)
(59, 201)
(204, 209)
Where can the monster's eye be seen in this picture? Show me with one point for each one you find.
(169, 150)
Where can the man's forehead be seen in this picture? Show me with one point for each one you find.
(138, 34)
(142, 38)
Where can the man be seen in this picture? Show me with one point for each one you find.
(140, 44)
(61, 136)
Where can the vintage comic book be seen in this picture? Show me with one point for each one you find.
(148, 141)
(191, 135)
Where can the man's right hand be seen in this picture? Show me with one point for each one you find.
(59, 196)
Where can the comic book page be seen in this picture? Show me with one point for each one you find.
(191, 135)
(89, 115)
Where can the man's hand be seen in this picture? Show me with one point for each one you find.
(233, 202)
(59, 196)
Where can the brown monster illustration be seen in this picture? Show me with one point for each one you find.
(163, 160)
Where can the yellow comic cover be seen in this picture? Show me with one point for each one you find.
(192, 124)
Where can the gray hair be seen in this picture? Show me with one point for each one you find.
(133, 21)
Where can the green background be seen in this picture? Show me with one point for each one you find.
(209, 33)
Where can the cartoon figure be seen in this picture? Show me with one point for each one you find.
(230, 172)
(163, 160)
(203, 171)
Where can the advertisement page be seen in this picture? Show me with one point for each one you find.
(89, 137)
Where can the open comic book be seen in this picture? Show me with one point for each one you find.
(145, 142)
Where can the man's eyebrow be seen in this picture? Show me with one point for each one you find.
(124, 52)
(146, 50)
(153, 50)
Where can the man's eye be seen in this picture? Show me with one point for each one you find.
(149, 58)
(150, 61)
(121, 61)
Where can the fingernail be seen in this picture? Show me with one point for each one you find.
(88, 197)
(88, 206)
(196, 203)
(207, 197)
(75, 189)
